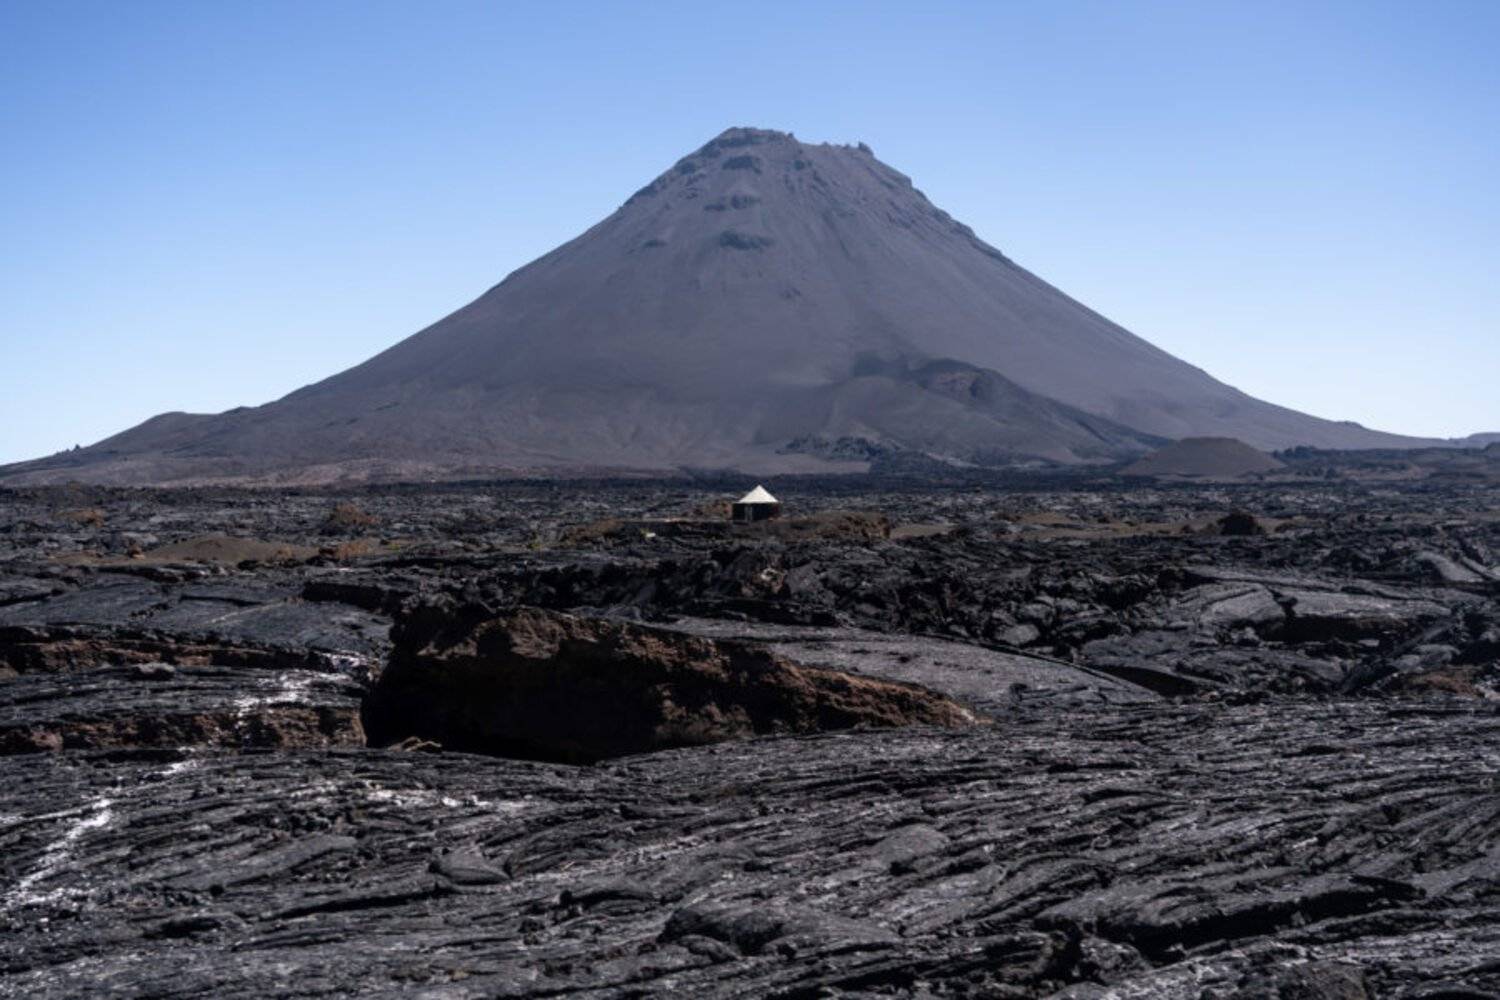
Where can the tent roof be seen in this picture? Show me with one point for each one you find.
(758, 495)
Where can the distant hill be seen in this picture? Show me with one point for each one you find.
(761, 305)
(1204, 457)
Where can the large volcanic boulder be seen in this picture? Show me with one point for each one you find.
(545, 685)
(1240, 524)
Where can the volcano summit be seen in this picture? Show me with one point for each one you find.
(766, 305)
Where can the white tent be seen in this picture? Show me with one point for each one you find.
(757, 505)
(758, 495)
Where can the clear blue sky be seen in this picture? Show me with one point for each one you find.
(209, 204)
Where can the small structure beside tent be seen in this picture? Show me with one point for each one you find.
(757, 505)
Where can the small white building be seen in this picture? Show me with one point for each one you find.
(757, 505)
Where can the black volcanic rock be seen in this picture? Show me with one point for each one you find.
(160, 705)
(1241, 524)
(763, 291)
(1178, 852)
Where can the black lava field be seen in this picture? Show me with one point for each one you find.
(1035, 738)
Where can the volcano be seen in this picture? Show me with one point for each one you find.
(765, 305)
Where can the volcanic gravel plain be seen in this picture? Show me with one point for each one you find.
(1013, 738)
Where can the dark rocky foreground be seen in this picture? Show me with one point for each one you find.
(1192, 741)
(1164, 851)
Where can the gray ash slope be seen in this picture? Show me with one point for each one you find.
(760, 300)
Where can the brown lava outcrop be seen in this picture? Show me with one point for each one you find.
(537, 683)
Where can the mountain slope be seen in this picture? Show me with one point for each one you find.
(760, 292)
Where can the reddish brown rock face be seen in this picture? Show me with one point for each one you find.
(541, 684)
